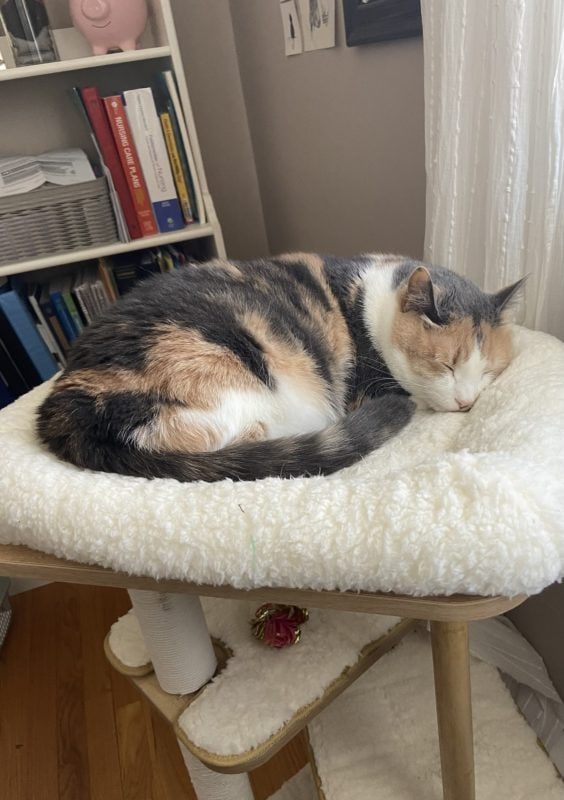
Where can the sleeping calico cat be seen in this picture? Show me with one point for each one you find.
(288, 366)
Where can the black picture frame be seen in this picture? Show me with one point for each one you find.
(368, 21)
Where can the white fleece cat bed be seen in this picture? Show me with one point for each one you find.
(263, 696)
(379, 739)
(470, 503)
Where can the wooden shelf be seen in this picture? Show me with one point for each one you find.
(115, 248)
(90, 62)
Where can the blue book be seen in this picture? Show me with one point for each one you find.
(57, 292)
(6, 397)
(21, 337)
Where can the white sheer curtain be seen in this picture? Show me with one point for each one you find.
(494, 96)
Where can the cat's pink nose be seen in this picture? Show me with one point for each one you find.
(464, 405)
(95, 9)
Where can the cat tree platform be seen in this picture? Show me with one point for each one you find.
(457, 518)
(260, 698)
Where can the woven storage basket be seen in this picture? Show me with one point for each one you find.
(56, 219)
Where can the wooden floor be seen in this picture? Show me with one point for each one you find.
(71, 728)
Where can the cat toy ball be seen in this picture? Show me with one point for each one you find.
(278, 625)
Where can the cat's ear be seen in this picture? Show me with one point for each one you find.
(503, 298)
(419, 296)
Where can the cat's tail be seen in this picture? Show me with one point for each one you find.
(337, 446)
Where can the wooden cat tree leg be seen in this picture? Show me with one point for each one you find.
(451, 663)
(177, 638)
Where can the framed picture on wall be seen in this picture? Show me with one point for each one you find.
(369, 21)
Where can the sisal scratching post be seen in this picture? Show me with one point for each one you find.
(210, 785)
(177, 638)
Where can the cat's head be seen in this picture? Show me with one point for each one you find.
(447, 338)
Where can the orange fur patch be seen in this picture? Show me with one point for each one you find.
(103, 380)
(284, 358)
(428, 347)
(187, 368)
(497, 346)
(170, 433)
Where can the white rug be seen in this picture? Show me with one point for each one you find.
(470, 503)
(378, 741)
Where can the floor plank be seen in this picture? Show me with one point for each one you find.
(98, 700)
(72, 739)
(42, 696)
(71, 728)
(16, 709)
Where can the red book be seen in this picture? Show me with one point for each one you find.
(99, 121)
(131, 164)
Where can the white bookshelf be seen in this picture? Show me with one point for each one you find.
(42, 117)
(87, 62)
(196, 231)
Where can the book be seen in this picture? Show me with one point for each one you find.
(34, 300)
(149, 140)
(57, 290)
(181, 181)
(107, 277)
(71, 308)
(100, 296)
(12, 376)
(166, 80)
(100, 126)
(84, 293)
(130, 163)
(50, 316)
(6, 396)
(102, 168)
(22, 340)
(173, 112)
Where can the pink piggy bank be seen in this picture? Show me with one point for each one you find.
(109, 24)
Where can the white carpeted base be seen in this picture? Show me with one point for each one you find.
(260, 689)
(379, 739)
(470, 503)
(300, 787)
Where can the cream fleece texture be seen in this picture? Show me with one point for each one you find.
(469, 503)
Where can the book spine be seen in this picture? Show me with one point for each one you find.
(100, 295)
(13, 377)
(63, 316)
(73, 311)
(21, 322)
(53, 321)
(81, 304)
(126, 278)
(130, 163)
(102, 131)
(178, 120)
(45, 329)
(176, 164)
(149, 140)
(107, 278)
(6, 396)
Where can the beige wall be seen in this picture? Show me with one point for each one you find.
(333, 139)
(337, 135)
(206, 39)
